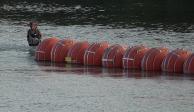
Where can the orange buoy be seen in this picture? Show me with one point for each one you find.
(43, 50)
(60, 50)
(174, 61)
(93, 54)
(153, 58)
(133, 56)
(188, 66)
(112, 56)
(76, 52)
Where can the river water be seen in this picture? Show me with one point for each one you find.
(30, 86)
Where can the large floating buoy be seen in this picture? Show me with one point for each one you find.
(136, 57)
(174, 61)
(188, 66)
(153, 58)
(43, 50)
(133, 56)
(76, 52)
(60, 50)
(93, 54)
(112, 56)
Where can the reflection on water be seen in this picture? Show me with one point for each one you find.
(32, 50)
(109, 72)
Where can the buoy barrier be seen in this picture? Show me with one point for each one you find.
(188, 66)
(76, 53)
(100, 54)
(174, 61)
(43, 50)
(153, 58)
(133, 56)
(112, 56)
(93, 54)
(60, 50)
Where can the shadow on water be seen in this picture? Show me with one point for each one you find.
(108, 72)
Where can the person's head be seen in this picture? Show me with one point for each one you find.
(33, 25)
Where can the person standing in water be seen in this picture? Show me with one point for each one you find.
(34, 35)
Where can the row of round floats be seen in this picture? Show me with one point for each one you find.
(115, 56)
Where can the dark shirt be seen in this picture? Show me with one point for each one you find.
(33, 37)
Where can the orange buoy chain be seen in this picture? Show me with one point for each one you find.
(60, 50)
(188, 66)
(115, 56)
(43, 50)
(133, 57)
(174, 61)
(76, 53)
(112, 56)
(93, 55)
(153, 58)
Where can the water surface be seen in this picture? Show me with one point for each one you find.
(30, 86)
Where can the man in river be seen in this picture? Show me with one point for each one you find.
(34, 36)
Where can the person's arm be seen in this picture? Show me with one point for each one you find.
(39, 34)
(28, 35)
